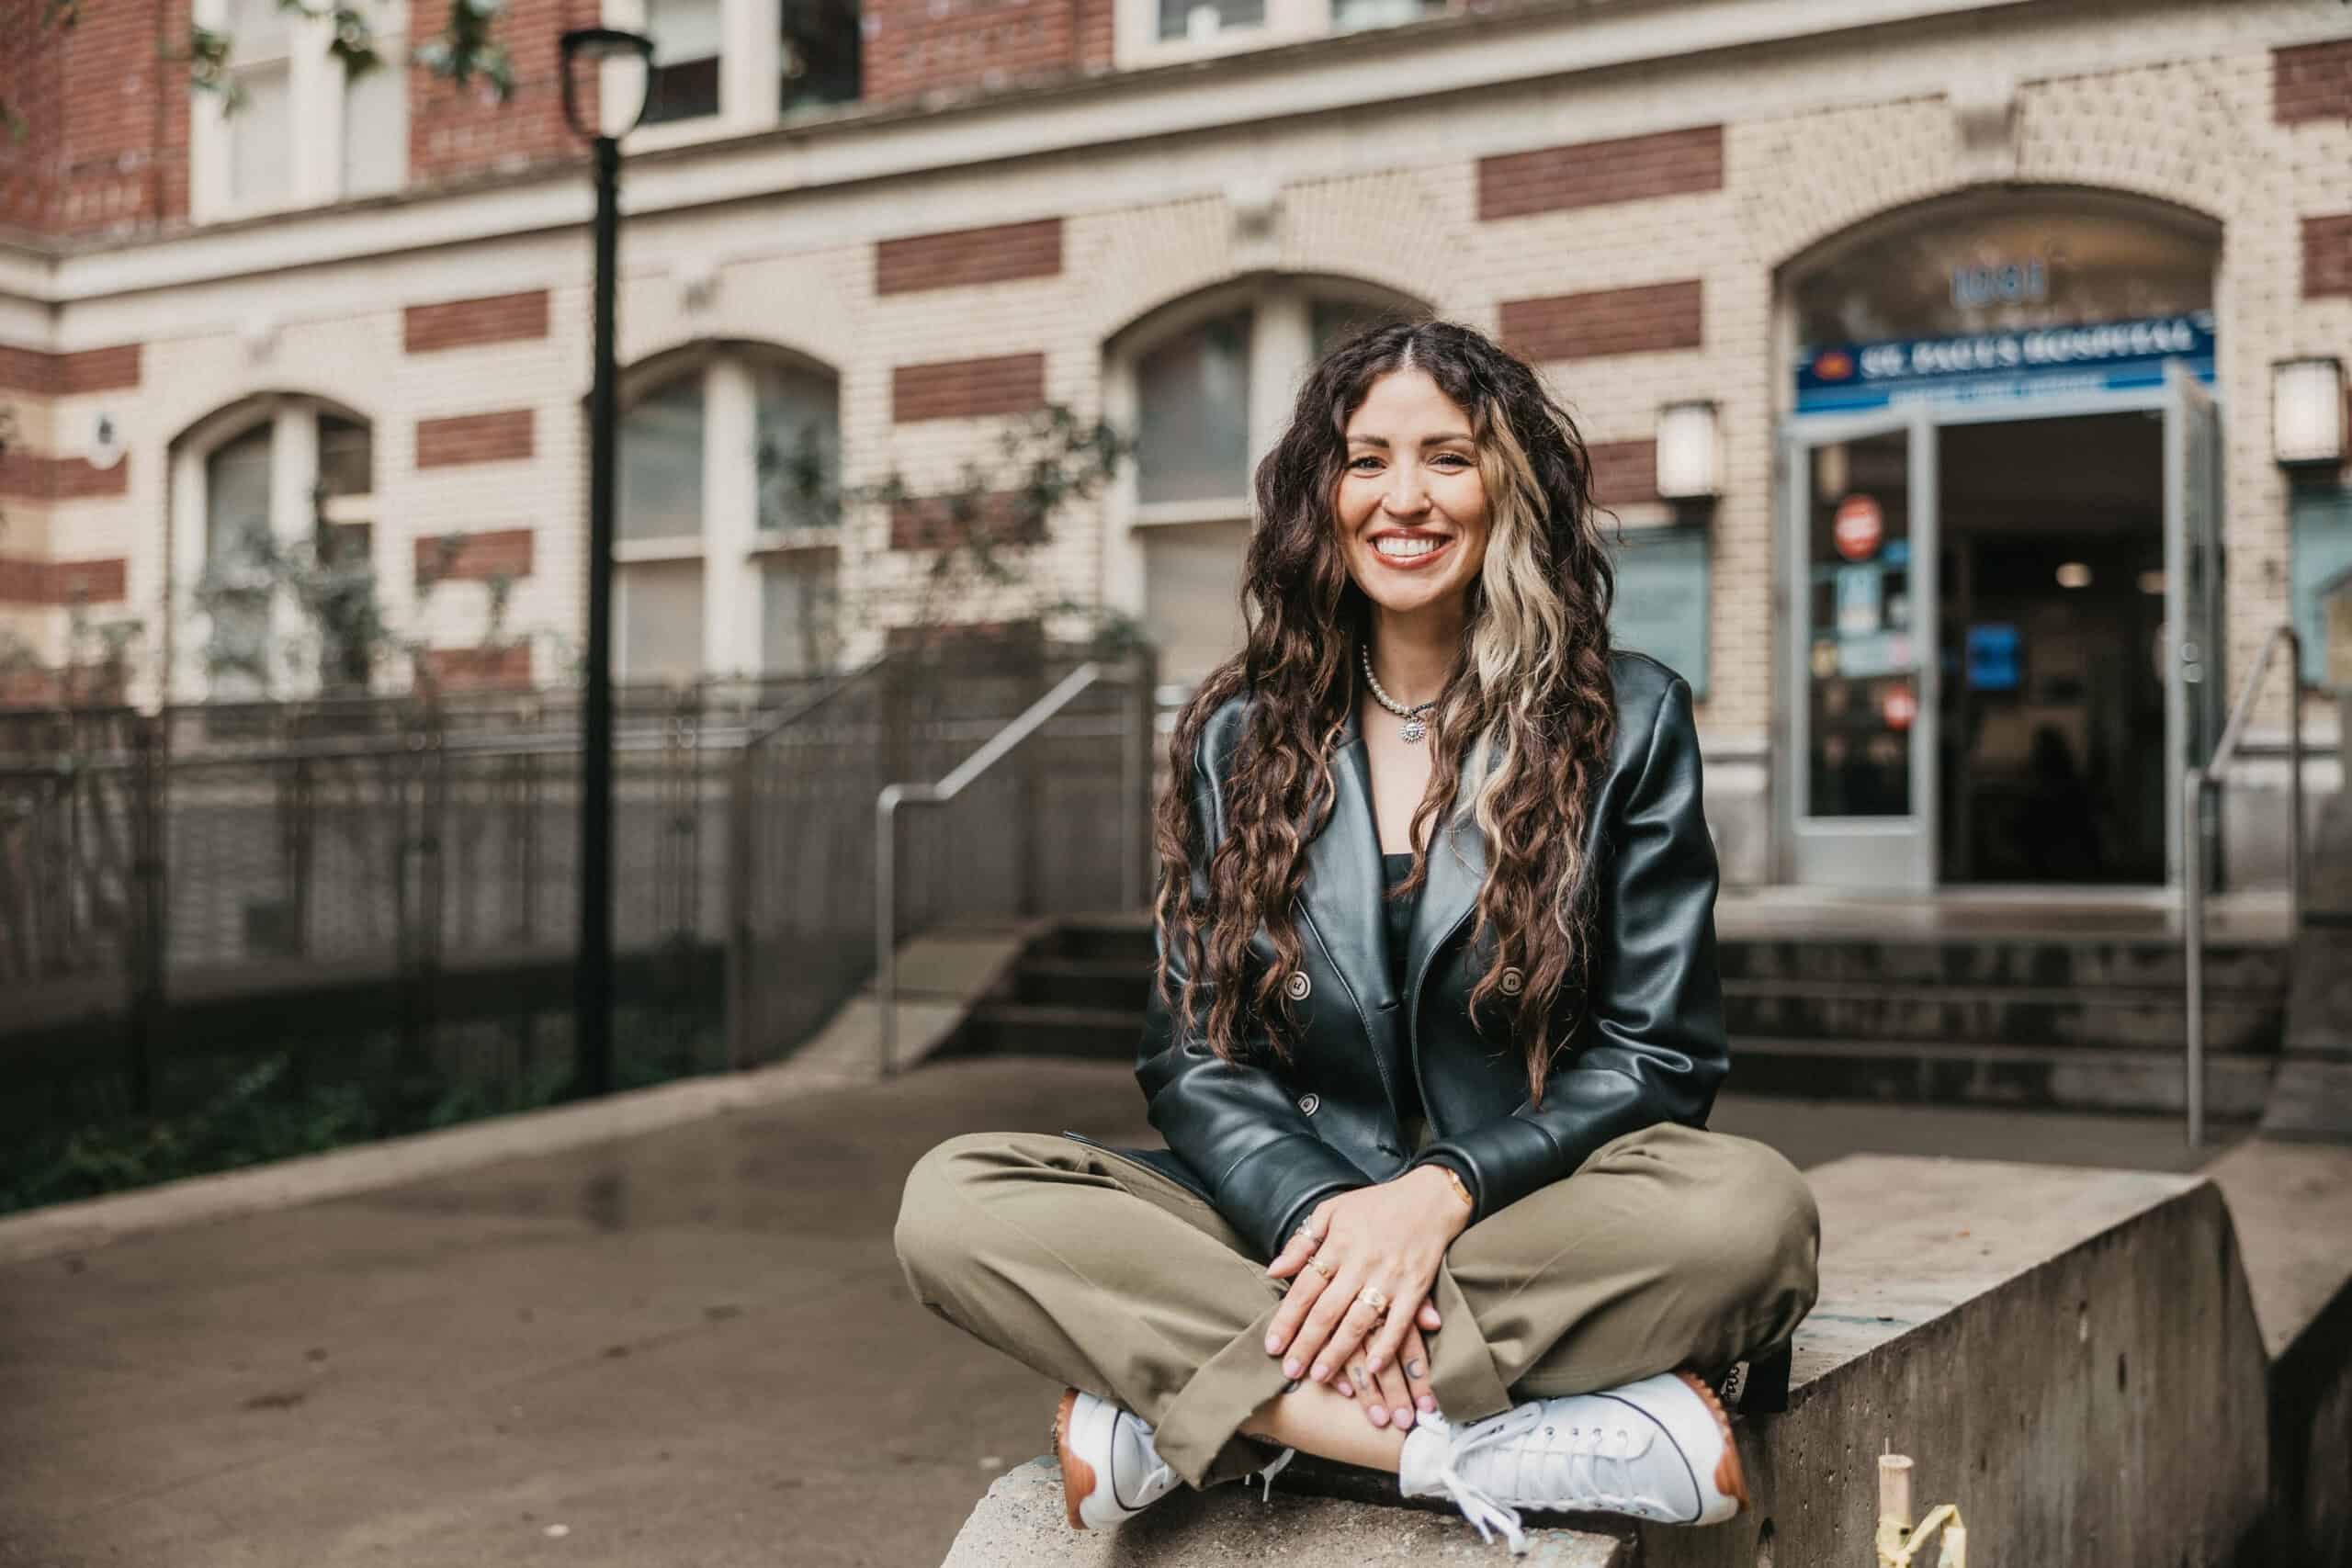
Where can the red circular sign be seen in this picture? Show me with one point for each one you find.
(1899, 708)
(1858, 528)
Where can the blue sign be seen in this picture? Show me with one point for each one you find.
(2004, 367)
(1993, 656)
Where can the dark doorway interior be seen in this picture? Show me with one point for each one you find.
(2051, 613)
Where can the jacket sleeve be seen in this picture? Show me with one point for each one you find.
(1235, 1125)
(1654, 1048)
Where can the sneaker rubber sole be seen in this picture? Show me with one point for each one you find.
(1730, 1479)
(1077, 1477)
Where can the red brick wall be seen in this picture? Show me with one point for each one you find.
(501, 437)
(24, 582)
(1624, 471)
(106, 144)
(37, 477)
(90, 371)
(453, 131)
(460, 324)
(2313, 82)
(918, 46)
(966, 389)
(1591, 173)
(926, 524)
(462, 558)
(478, 668)
(1096, 42)
(2327, 256)
(994, 254)
(1608, 321)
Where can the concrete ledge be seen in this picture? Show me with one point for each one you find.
(2071, 1355)
(1021, 1522)
(940, 977)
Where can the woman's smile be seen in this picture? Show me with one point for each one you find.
(1404, 551)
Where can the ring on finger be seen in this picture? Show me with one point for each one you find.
(1374, 1298)
(1321, 1268)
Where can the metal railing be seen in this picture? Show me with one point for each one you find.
(2194, 786)
(1134, 731)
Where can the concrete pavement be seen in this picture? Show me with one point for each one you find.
(689, 1346)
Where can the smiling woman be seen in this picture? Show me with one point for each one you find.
(1435, 1027)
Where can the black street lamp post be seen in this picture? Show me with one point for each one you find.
(591, 998)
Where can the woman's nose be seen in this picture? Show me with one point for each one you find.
(1408, 497)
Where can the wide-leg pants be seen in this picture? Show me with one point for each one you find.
(1669, 1248)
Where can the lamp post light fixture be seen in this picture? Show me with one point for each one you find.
(617, 58)
(2307, 413)
(1689, 452)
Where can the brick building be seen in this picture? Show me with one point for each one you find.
(1952, 326)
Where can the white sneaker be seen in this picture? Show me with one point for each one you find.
(1660, 1450)
(1110, 1470)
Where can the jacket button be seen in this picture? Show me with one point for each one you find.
(1298, 987)
(1511, 982)
(1310, 1103)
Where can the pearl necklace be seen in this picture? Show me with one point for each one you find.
(1414, 729)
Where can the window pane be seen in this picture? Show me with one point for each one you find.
(261, 164)
(798, 461)
(375, 125)
(796, 615)
(1193, 436)
(684, 80)
(1347, 16)
(347, 456)
(1206, 18)
(258, 28)
(1862, 671)
(234, 593)
(661, 464)
(1192, 610)
(822, 47)
(659, 606)
(1333, 322)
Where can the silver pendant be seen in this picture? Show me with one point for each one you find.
(1413, 731)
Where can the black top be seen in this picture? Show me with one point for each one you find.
(1394, 869)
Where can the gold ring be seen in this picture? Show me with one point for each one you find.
(1321, 1268)
(1374, 1298)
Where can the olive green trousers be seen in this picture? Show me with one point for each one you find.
(1669, 1248)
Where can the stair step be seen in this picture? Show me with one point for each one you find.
(1014, 1029)
(2143, 1017)
(2050, 960)
(1083, 983)
(2025, 1076)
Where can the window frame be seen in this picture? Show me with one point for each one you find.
(318, 89)
(1136, 41)
(735, 552)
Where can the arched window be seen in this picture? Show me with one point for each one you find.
(1206, 384)
(729, 475)
(277, 489)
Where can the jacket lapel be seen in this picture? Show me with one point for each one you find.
(1457, 870)
(1342, 895)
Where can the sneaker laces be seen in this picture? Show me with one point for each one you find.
(1507, 1457)
(1486, 1512)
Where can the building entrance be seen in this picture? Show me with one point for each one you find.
(2050, 626)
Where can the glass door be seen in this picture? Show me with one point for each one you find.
(1862, 746)
(2196, 698)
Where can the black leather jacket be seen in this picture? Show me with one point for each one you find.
(1266, 1141)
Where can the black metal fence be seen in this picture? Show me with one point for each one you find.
(364, 911)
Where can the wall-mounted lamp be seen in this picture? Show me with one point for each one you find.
(2307, 413)
(1689, 452)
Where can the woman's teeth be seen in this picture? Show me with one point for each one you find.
(1406, 546)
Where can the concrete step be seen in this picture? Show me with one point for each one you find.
(1015, 1029)
(2149, 1017)
(1053, 981)
(2044, 961)
(2051, 1077)
(1962, 1304)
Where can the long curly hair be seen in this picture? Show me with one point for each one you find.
(1528, 713)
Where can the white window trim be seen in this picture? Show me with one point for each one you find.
(294, 471)
(751, 73)
(1136, 40)
(731, 545)
(316, 82)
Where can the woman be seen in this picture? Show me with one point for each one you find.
(1436, 1198)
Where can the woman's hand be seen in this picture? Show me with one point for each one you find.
(1389, 1239)
(1401, 1392)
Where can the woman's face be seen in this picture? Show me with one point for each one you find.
(1412, 510)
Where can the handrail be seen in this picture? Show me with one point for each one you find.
(885, 820)
(2194, 785)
